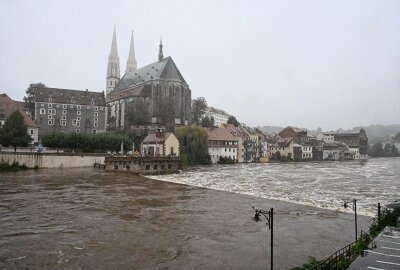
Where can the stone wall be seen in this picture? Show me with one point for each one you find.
(52, 160)
(142, 164)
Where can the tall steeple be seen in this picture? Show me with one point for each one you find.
(113, 70)
(160, 52)
(131, 64)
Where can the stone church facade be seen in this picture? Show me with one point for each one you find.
(149, 86)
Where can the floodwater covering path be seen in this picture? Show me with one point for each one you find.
(91, 219)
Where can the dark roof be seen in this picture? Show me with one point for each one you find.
(157, 137)
(59, 95)
(8, 106)
(134, 91)
(161, 70)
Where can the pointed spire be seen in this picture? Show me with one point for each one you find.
(131, 63)
(160, 52)
(114, 49)
(113, 74)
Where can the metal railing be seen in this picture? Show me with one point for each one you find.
(342, 258)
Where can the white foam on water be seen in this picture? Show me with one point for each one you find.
(325, 184)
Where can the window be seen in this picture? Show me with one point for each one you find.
(74, 122)
(78, 118)
(31, 131)
(49, 111)
(96, 124)
(96, 114)
(78, 130)
(115, 167)
(64, 106)
(72, 101)
(78, 112)
(51, 122)
(147, 167)
(64, 111)
(50, 105)
(50, 99)
(96, 119)
(42, 110)
(64, 117)
(63, 123)
(155, 167)
(94, 131)
(49, 116)
(78, 107)
(78, 124)
(42, 105)
(96, 108)
(92, 102)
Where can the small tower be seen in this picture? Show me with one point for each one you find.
(131, 64)
(113, 71)
(160, 52)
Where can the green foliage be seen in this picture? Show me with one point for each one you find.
(388, 218)
(137, 113)
(232, 120)
(387, 150)
(14, 132)
(199, 108)
(207, 122)
(14, 167)
(310, 263)
(167, 111)
(281, 158)
(31, 97)
(193, 145)
(100, 142)
(226, 160)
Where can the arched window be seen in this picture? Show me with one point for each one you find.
(42, 111)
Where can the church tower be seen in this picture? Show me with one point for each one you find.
(160, 52)
(113, 73)
(131, 64)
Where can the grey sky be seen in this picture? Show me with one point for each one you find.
(312, 64)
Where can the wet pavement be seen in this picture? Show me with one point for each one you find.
(90, 219)
(385, 254)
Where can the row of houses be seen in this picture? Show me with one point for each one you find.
(244, 144)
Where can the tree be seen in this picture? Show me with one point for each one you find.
(55, 140)
(15, 132)
(232, 120)
(397, 137)
(207, 122)
(30, 97)
(137, 113)
(193, 145)
(377, 150)
(167, 111)
(199, 109)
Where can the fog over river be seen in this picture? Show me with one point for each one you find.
(322, 184)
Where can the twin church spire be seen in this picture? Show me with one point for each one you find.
(113, 69)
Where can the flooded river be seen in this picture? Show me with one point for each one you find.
(91, 219)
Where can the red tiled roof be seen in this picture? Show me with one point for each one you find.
(220, 134)
(8, 106)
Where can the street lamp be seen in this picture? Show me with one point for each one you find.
(269, 216)
(354, 205)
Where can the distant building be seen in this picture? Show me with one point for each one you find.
(239, 134)
(8, 106)
(69, 111)
(220, 116)
(306, 152)
(325, 136)
(336, 151)
(284, 146)
(299, 135)
(160, 144)
(356, 141)
(221, 143)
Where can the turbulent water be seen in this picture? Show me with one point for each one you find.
(322, 184)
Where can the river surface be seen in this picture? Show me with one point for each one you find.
(322, 184)
(92, 219)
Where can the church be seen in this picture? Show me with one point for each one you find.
(153, 95)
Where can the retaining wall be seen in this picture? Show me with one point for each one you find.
(52, 160)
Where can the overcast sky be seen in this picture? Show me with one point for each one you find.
(312, 64)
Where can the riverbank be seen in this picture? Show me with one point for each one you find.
(69, 219)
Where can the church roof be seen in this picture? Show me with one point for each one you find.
(8, 106)
(79, 97)
(165, 70)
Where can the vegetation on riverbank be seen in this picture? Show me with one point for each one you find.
(13, 167)
(388, 218)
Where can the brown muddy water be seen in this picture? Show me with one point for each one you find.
(90, 219)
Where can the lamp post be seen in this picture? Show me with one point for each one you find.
(354, 205)
(269, 216)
